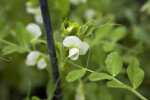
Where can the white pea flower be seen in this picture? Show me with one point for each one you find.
(34, 29)
(89, 13)
(32, 58)
(76, 46)
(41, 64)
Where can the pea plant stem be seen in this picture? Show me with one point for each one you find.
(127, 87)
(131, 89)
(136, 93)
(51, 47)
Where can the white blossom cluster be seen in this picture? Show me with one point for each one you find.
(34, 58)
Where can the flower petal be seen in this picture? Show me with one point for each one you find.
(72, 41)
(33, 10)
(74, 53)
(32, 58)
(84, 48)
(41, 64)
(34, 29)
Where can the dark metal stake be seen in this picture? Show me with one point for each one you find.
(51, 47)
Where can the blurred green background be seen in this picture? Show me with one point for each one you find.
(131, 38)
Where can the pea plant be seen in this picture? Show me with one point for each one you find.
(90, 54)
(73, 41)
(69, 49)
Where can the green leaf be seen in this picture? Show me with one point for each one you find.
(50, 89)
(22, 35)
(89, 32)
(35, 98)
(114, 84)
(99, 76)
(118, 33)
(80, 88)
(109, 46)
(86, 29)
(4, 31)
(26, 99)
(146, 7)
(114, 63)
(83, 29)
(135, 73)
(68, 28)
(91, 27)
(13, 48)
(37, 41)
(32, 3)
(73, 28)
(50, 85)
(76, 74)
(103, 32)
(103, 93)
(61, 7)
(61, 49)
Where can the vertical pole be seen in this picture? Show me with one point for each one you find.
(51, 47)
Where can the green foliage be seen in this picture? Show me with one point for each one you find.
(99, 5)
(109, 46)
(114, 63)
(118, 33)
(91, 26)
(99, 76)
(50, 85)
(80, 89)
(83, 29)
(124, 30)
(32, 3)
(146, 7)
(75, 74)
(103, 32)
(4, 30)
(35, 98)
(135, 73)
(56, 7)
(61, 49)
(115, 84)
(22, 35)
(13, 48)
(49, 90)
(69, 28)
